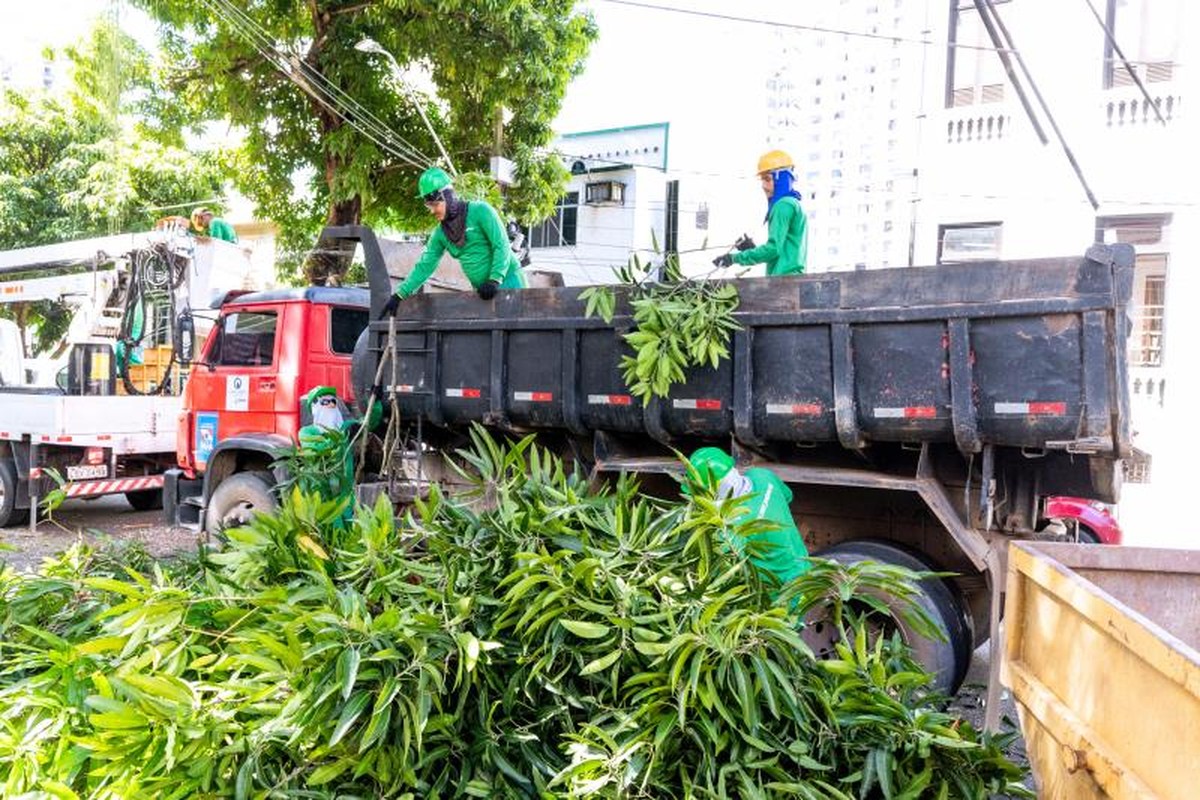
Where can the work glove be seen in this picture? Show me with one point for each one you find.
(487, 289)
(743, 244)
(725, 260)
(389, 308)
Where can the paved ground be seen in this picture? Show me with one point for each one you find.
(93, 521)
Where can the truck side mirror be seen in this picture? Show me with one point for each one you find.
(185, 339)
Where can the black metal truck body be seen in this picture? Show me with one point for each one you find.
(930, 407)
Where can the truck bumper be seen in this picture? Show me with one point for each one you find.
(183, 499)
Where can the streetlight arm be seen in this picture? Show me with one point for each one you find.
(372, 46)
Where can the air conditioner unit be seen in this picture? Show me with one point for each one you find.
(605, 193)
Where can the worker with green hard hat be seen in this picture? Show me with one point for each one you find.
(472, 232)
(781, 552)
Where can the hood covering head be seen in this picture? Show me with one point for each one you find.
(326, 416)
(785, 181)
(454, 226)
(733, 484)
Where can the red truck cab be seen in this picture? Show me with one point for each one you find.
(241, 404)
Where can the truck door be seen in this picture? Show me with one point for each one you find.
(331, 344)
(234, 388)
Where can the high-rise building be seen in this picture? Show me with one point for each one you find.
(847, 107)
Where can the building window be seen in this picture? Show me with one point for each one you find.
(1147, 32)
(1148, 235)
(974, 73)
(977, 241)
(559, 230)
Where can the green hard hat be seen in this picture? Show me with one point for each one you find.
(432, 180)
(711, 461)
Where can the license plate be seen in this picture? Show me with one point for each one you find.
(87, 472)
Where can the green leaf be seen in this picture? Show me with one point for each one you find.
(600, 664)
(350, 714)
(347, 668)
(585, 630)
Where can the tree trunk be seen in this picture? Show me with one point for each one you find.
(327, 265)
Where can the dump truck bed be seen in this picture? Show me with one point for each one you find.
(1103, 658)
(1019, 354)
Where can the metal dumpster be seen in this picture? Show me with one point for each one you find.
(1102, 658)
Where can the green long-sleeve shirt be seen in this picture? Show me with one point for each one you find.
(485, 254)
(786, 250)
(220, 229)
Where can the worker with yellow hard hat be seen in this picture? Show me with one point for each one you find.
(786, 250)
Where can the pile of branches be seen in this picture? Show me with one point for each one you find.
(544, 639)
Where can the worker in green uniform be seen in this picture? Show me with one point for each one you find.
(472, 232)
(328, 439)
(781, 552)
(786, 250)
(205, 223)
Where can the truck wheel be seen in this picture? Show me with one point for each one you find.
(145, 501)
(948, 661)
(237, 499)
(9, 513)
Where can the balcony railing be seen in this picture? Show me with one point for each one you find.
(1131, 109)
(1148, 386)
(974, 125)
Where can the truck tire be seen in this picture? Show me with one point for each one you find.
(237, 499)
(948, 661)
(145, 501)
(9, 513)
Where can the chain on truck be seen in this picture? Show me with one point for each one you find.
(922, 416)
(98, 409)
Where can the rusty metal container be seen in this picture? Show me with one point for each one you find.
(1102, 654)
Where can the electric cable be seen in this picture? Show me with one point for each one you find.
(797, 26)
(312, 82)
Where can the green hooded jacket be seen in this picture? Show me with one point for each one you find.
(786, 250)
(785, 555)
(485, 255)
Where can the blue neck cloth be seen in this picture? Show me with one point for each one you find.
(784, 180)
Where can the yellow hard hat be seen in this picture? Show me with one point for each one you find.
(776, 159)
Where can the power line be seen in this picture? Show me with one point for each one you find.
(800, 27)
(324, 91)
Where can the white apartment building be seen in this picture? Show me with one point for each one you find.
(847, 109)
(988, 187)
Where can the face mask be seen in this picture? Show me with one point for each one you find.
(734, 484)
(326, 416)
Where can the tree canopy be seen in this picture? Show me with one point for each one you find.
(313, 107)
(77, 165)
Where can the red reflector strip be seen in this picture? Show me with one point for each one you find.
(533, 397)
(906, 412)
(699, 404)
(104, 437)
(88, 488)
(610, 400)
(795, 409)
(404, 388)
(1032, 409)
(467, 393)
